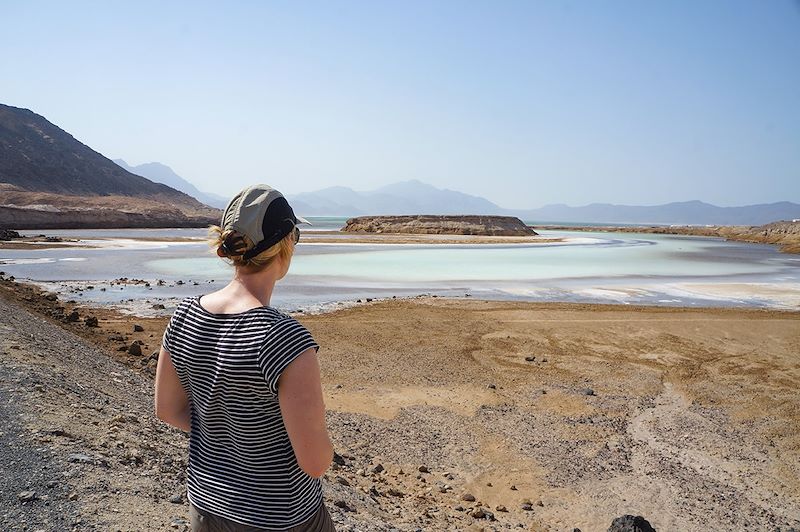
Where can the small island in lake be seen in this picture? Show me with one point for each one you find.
(440, 225)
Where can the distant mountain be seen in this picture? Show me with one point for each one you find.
(161, 173)
(49, 179)
(415, 197)
(407, 197)
(678, 213)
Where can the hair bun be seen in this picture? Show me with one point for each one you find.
(233, 245)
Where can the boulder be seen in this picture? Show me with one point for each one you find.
(630, 523)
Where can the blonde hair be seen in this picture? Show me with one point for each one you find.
(237, 244)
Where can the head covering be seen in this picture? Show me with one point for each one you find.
(263, 215)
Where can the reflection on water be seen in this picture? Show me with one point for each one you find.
(591, 267)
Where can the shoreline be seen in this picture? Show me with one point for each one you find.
(311, 237)
(447, 385)
(785, 235)
(787, 242)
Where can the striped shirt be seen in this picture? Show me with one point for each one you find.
(241, 463)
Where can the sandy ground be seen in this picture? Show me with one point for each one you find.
(548, 416)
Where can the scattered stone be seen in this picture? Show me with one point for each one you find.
(73, 316)
(394, 492)
(38, 387)
(135, 349)
(630, 523)
(179, 522)
(530, 359)
(459, 508)
(377, 469)
(480, 513)
(343, 481)
(91, 321)
(489, 484)
(423, 469)
(26, 496)
(159, 306)
(72, 496)
(588, 391)
(176, 499)
(500, 508)
(492, 387)
(80, 458)
(337, 459)
(540, 503)
(468, 497)
(527, 507)
(339, 503)
(138, 328)
(513, 487)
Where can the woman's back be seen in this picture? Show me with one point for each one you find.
(241, 462)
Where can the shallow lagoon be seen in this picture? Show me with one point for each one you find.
(586, 267)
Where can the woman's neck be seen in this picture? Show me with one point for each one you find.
(257, 285)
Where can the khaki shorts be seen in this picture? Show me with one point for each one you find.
(203, 521)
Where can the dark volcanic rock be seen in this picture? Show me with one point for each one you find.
(440, 225)
(135, 349)
(630, 523)
(7, 234)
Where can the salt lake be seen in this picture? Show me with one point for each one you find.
(592, 267)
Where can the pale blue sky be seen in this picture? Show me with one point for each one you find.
(525, 103)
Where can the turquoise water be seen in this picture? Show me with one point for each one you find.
(602, 257)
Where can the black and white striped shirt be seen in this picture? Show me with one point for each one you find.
(241, 463)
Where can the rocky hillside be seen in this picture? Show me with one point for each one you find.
(50, 179)
(440, 225)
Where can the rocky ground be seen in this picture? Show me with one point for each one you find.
(445, 414)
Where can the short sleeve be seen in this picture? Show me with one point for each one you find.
(177, 316)
(166, 339)
(286, 340)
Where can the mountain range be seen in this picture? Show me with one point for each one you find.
(415, 197)
(50, 179)
(161, 173)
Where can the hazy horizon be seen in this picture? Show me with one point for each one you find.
(522, 104)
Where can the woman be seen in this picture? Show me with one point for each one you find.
(244, 380)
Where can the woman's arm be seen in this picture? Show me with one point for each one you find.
(303, 411)
(172, 404)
